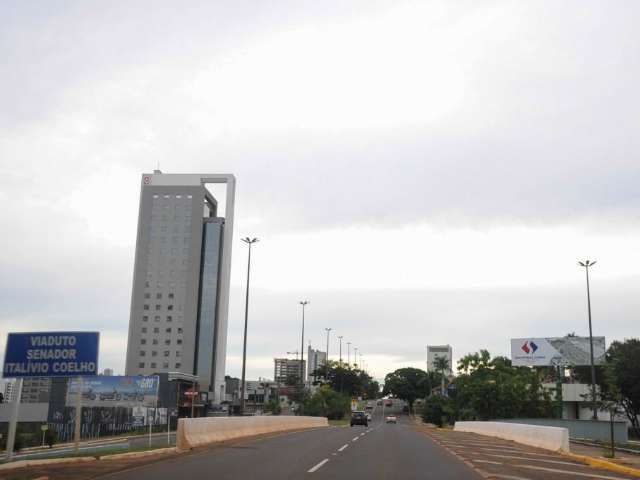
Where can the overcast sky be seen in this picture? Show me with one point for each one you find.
(422, 172)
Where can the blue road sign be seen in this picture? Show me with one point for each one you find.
(51, 354)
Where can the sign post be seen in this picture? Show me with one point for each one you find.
(78, 429)
(13, 423)
(48, 354)
(44, 429)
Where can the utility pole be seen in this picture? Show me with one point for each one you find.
(249, 241)
(586, 266)
(349, 354)
(340, 338)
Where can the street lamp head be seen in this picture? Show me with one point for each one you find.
(304, 302)
(250, 240)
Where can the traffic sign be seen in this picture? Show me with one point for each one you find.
(44, 427)
(51, 354)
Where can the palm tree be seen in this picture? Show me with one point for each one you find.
(441, 364)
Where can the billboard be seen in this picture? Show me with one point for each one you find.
(51, 354)
(114, 391)
(551, 351)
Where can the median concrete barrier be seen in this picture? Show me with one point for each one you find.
(550, 438)
(194, 432)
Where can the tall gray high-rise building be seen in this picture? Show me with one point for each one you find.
(180, 297)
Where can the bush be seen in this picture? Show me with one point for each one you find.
(438, 410)
(274, 407)
(18, 443)
(50, 437)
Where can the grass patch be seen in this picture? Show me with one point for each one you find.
(339, 423)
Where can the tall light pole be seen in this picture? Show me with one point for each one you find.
(355, 356)
(349, 354)
(328, 330)
(304, 303)
(248, 241)
(340, 338)
(586, 264)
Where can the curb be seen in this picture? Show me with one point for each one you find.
(603, 464)
(54, 461)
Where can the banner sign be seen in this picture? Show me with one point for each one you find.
(114, 391)
(51, 354)
(556, 351)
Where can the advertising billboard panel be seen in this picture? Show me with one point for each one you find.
(551, 351)
(114, 391)
(51, 354)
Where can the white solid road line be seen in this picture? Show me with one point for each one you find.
(313, 469)
(343, 447)
(477, 460)
(536, 460)
(569, 472)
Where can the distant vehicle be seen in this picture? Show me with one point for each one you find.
(388, 403)
(379, 403)
(369, 407)
(359, 418)
(368, 417)
(391, 419)
(114, 396)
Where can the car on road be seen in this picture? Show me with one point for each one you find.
(391, 419)
(368, 417)
(359, 418)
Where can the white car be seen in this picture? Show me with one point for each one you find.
(391, 419)
(368, 417)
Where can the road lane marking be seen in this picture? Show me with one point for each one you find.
(343, 447)
(313, 469)
(362, 434)
(536, 460)
(355, 439)
(569, 472)
(477, 460)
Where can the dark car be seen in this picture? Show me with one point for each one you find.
(359, 418)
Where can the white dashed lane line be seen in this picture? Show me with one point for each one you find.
(313, 469)
(343, 447)
(355, 439)
(477, 460)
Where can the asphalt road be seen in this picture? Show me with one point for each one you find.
(380, 451)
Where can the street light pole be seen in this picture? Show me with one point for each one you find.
(586, 266)
(340, 338)
(328, 330)
(304, 303)
(355, 356)
(349, 354)
(248, 241)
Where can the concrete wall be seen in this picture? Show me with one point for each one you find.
(550, 438)
(594, 430)
(194, 432)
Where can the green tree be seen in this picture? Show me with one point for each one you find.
(408, 384)
(490, 388)
(623, 369)
(347, 380)
(441, 365)
(326, 402)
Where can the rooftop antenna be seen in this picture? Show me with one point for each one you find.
(157, 170)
